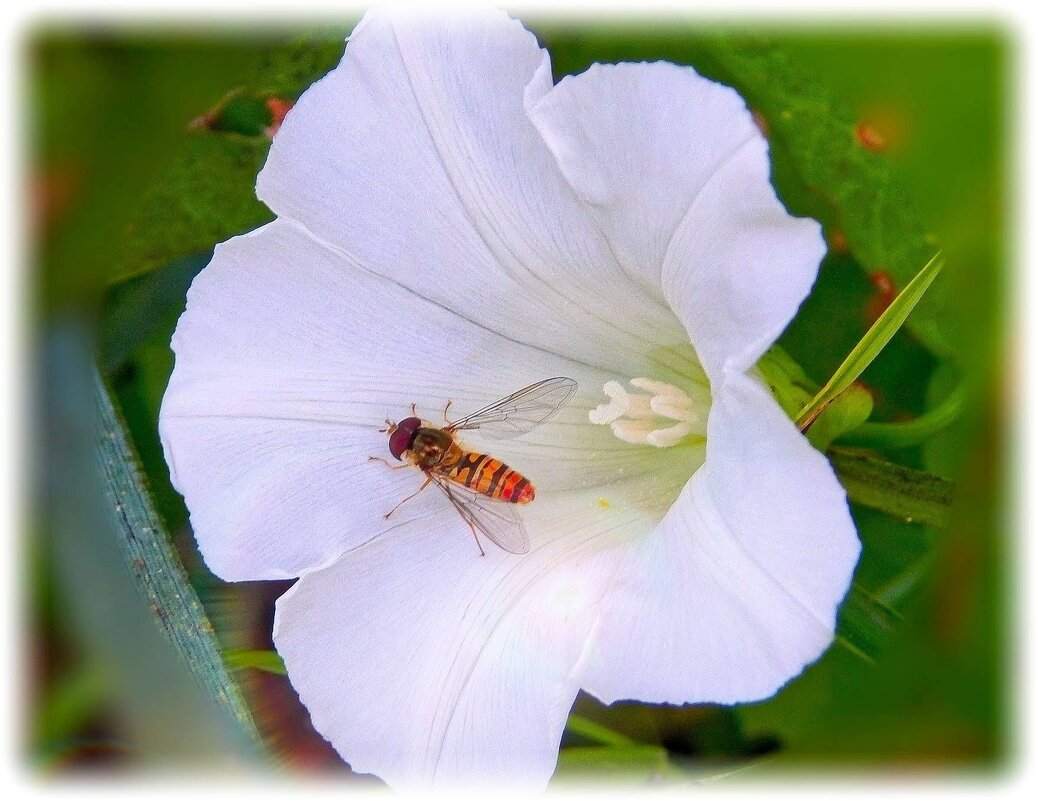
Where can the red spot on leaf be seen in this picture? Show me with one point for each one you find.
(278, 108)
(869, 137)
(204, 122)
(52, 190)
(886, 291)
(761, 122)
(838, 241)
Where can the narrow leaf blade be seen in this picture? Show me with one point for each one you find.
(161, 578)
(911, 495)
(875, 339)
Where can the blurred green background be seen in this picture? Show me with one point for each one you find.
(143, 148)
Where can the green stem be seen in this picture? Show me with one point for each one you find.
(596, 731)
(890, 436)
(912, 495)
(243, 658)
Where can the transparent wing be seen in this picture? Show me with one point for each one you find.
(498, 521)
(521, 411)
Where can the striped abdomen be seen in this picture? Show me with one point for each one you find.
(491, 477)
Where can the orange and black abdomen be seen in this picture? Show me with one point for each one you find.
(491, 477)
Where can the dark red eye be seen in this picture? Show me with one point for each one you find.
(400, 440)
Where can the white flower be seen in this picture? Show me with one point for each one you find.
(451, 226)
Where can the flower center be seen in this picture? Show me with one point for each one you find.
(662, 414)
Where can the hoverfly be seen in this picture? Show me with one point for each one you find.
(484, 490)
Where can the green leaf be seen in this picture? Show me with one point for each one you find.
(896, 591)
(635, 762)
(578, 724)
(207, 194)
(68, 703)
(792, 389)
(243, 114)
(136, 309)
(267, 661)
(160, 575)
(902, 492)
(865, 623)
(292, 66)
(860, 195)
(872, 343)
(786, 379)
(848, 411)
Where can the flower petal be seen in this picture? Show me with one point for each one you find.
(677, 175)
(427, 664)
(417, 158)
(638, 142)
(740, 265)
(738, 588)
(288, 360)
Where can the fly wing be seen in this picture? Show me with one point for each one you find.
(498, 521)
(521, 411)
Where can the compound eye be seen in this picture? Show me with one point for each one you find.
(400, 440)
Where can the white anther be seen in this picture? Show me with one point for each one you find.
(662, 415)
(636, 432)
(665, 437)
(616, 407)
(657, 387)
(674, 408)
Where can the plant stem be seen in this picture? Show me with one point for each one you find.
(890, 436)
(912, 495)
(596, 731)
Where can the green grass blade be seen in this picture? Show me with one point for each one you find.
(637, 762)
(160, 576)
(875, 339)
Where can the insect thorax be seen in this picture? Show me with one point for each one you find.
(432, 447)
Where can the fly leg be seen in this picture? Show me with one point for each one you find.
(428, 481)
(388, 463)
(445, 408)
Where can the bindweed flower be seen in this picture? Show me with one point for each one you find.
(453, 226)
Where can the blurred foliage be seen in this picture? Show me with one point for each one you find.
(144, 155)
(207, 194)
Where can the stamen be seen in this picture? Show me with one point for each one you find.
(636, 432)
(666, 437)
(616, 407)
(674, 408)
(662, 418)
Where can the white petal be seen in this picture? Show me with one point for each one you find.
(426, 664)
(638, 142)
(416, 157)
(739, 265)
(738, 588)
(288, 361)
(677, 174)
